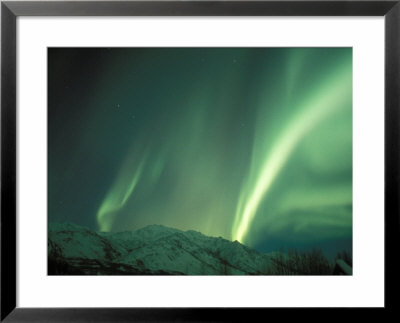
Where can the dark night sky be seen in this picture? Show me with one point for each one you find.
(247, 144)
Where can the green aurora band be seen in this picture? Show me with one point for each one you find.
(117, 197)
(329, 97)
(250, 144)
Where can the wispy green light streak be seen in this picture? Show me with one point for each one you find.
(331, 96)
(117, 197)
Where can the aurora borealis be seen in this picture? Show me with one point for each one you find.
(250, 144)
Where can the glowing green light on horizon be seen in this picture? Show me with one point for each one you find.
(117, 198)
(331, 96)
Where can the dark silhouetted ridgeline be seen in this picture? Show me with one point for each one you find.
(159, 250)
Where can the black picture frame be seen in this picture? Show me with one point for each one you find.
(10, 10)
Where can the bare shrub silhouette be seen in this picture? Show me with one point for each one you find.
(345, 256)
(304, 263)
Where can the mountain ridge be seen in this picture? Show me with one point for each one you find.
(152, 250)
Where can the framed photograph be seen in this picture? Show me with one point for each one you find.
(197, 160)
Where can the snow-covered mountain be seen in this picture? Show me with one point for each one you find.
(153, 250)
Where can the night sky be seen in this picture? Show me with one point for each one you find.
(250, 144)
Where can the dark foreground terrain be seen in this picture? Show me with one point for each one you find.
(159, 250)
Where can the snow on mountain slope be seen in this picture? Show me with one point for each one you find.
(72, 241)
(154, 249)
